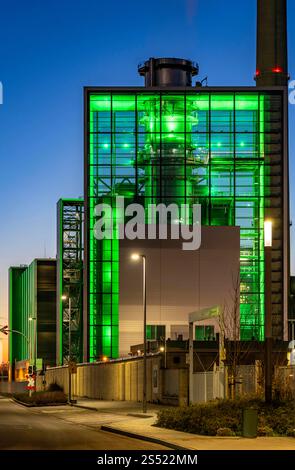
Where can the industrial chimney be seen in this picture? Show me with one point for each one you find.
(165, 72)
(272, 56)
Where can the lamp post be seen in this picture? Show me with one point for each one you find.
(35, 348)
(64, 297)
(268, 312)
(163, 349)
(136, 257)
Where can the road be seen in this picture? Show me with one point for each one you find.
(26, 428)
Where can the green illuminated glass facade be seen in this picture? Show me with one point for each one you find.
(220, 149)
(32, 294)
(20, 307)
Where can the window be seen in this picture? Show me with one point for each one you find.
(204, 333)
(155, 332)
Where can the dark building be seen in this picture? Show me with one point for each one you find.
(32, 312)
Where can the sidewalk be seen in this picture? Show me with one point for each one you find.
(126, 418)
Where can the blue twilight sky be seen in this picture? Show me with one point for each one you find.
(49, 50)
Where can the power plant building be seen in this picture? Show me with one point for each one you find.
(32, 312)
(225, 148)
(172, 141)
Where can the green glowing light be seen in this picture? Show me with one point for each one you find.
(183, 130)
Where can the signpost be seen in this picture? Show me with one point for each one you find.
(73, 367)
(31, 383)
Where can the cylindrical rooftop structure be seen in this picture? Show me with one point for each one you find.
(168, 72)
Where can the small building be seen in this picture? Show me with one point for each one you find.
(32, 316)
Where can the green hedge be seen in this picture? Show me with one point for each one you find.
(42, 398)
(211, 418)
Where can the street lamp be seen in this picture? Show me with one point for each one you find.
(64, 297)
(163, 349)
(268, 311)
(35, 347)
(136, 257)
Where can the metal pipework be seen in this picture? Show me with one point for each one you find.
(271, 53)
(168, 72)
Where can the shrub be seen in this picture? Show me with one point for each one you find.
(291, 432)
(207, 419)
(204, 419)
(264, 431)
(225, 432)
(42, 398)
(54, 387)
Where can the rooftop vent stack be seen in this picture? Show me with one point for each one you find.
(168, 72)
(272, 54)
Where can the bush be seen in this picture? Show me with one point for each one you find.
(225, 432)
(264, 431)
(291, 432)
(54, 387)
(279, 418)
(42, 398)
(203, 419)
(207, 419)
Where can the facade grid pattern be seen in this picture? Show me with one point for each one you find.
(216, 149)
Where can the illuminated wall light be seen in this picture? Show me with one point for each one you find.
(268, 233)
(171, 124)
(106, 146)
(126, 146)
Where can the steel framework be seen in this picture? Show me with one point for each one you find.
(70, 213)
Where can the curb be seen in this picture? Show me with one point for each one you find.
(27, 405)
(141, 437)
(84, 407)
(30, 405)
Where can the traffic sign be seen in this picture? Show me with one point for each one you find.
(31, 382)
(4, 330)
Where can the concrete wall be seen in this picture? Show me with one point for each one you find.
(178, 282)
(120, 380)
(13, 387)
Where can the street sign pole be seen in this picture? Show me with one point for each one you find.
(70, 354)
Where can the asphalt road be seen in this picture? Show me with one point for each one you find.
(23, 428)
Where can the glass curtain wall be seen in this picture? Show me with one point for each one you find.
(194, 147)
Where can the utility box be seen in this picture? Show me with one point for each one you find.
(250, 422)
